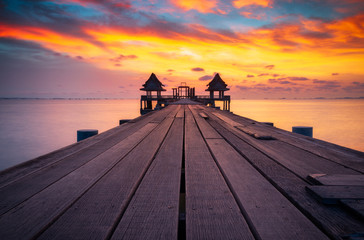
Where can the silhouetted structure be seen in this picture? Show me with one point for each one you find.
(150, 86)
(218, 85)
(183, 91)
(149, 102)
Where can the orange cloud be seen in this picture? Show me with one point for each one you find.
(310, 49)
(203, 6)
(50, 39)
(245, 3)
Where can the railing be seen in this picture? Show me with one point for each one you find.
(166, 97)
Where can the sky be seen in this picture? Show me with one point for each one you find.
(109, 48)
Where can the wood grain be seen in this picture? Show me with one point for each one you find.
(155, 203)
(337, 179)
(332, 194)
(94, 214)
(211, 210)
(332, 220)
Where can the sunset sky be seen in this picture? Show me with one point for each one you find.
(108, 48)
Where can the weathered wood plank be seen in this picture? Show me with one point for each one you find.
(206, 129)
(273, 216)
(297, 160)
(255, 133)
(211, 210)
(331, 219)
(345, 156)
(332, 194)
(337, 179)
(22, 170)
(17, 192)
(203, 115)
(32, 215)
(153, 211)
(356, 206)
(181, 112)
(96, 210)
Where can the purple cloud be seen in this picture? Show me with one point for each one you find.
(205, 78)
(249, 76)
(122, 57)
(324, 82)
(334, 74)
(197, 69)
(270, 67)
(297, 78)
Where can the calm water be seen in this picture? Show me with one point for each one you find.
(30, 128)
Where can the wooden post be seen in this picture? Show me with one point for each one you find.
(122, 121)
(307, 131)
(86, 133)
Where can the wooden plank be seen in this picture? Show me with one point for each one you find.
(203, 115)
(256, 134)
(211, 210)
(153, 211)
(331, 219)
(337, 179)
(17, 172)
(226, 119)
(297, 160)
(272, 215)
(345, 156)
(181, 112)
(94, 212)
(18, 191)
(32, 216)
(356, 206)
(206, 129)
(332, 194)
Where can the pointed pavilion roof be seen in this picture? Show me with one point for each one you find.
(153, 84)
(217, 84)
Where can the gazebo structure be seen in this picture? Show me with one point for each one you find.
(218, 85)
(150, 86)
(150, 102)
(183, 91)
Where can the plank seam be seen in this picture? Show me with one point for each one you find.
(181, 231)
(86, 189)
(290, 199)
(259, 150)
(40, 190)
(132, 193)
(286, 133)
(241, 207)
(127, 127)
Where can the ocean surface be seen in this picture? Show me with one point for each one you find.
(30, 128)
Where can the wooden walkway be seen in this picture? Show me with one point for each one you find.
(187, 172)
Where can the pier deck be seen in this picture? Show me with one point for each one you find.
(187, 171)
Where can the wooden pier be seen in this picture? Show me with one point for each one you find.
(187, 172)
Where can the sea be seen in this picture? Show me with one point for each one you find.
(32, 127)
